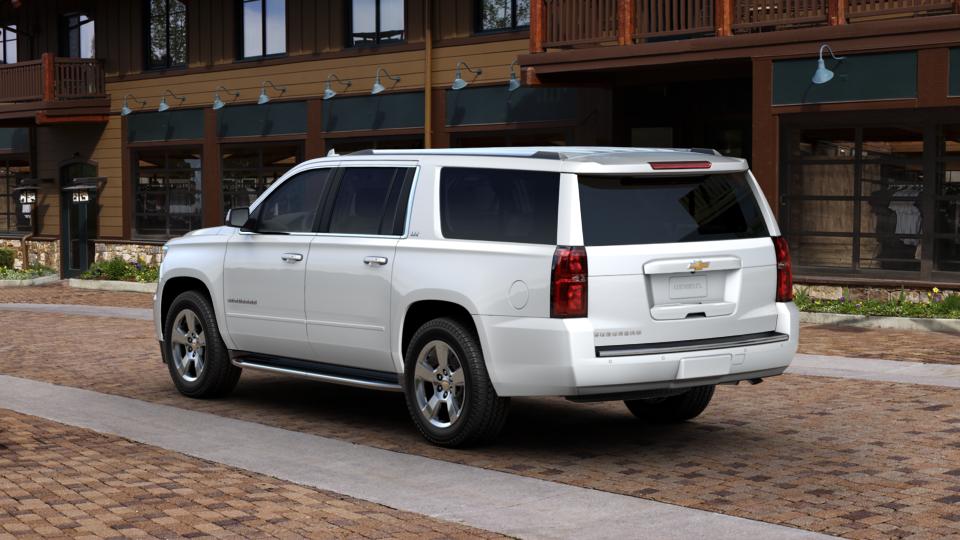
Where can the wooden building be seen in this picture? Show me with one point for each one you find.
(864, 170)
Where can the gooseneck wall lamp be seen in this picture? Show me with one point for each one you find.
(126, 110)
(514, 83)
(377, 86)
(458, 82)
(823, 75)
(217, 102)
(329, 92)
(164, 106)
(264, 98)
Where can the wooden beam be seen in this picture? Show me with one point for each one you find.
(625, 11)
(538, 25)
(838, 12)
(43, 119)
(49, 77)
(427, 76)
(724, 17)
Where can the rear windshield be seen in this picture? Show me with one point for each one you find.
(499, 205)
(622, 210)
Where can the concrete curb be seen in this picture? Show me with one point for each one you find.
(106, 285)
(888, 323)
(42, 280)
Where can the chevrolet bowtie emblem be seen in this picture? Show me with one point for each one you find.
(696, 266)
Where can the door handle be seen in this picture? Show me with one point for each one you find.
(370, 261)
(291, 257)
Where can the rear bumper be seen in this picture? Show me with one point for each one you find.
(558, 357)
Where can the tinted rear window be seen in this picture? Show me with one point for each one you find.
(499, 205)
(620, 210)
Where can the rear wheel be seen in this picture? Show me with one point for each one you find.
(196, 356)
(447, 389)
(672, 409)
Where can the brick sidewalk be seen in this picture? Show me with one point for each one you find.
(61, 293)
(57, 480)
(854, 458)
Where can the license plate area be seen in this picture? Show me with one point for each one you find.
(687, 287)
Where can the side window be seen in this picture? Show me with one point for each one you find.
(499, 205)
(293, 206)
(370, 200)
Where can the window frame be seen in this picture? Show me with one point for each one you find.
(147, 43)
(263, 32)
(71, 23)
(264, 199)
(6, 29)
(378, 42)
(7, 185)
(513, 27)
(166, 150)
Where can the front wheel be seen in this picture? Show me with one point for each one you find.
(447, 389)
(195, 354)
(673, 409)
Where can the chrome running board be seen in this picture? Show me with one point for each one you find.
(317, 374)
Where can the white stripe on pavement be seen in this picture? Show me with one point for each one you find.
(78, 309)
(871, 369)
(491, 500)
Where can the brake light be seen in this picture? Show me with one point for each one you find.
(784, 270)
(568, 283)
(672, 165)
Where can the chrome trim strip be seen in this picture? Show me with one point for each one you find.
(335, 379)
(748, 340)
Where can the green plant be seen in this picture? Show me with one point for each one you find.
(801, 296)
(7, 256)
(121, 270)
(32, 272)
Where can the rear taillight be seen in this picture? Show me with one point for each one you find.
(568, 283)
(784, 270)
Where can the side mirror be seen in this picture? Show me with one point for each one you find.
(237, 217)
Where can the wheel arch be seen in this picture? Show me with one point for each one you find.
(422, 311)
(175, 286)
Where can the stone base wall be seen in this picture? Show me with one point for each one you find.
(148, 253)
(43, 252)
(836, 292)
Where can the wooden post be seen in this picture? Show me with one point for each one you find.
(49, 77)
(427, 77)
(837, 11)
(538, 25)
(956, 6)
(625, 10)
(724, 17)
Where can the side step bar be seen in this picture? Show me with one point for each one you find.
(319, 372)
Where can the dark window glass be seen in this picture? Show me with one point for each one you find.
(504, 14)
(367, 201)
(499, 205)
(166, 192)
(264, 27)
(167, 38)
(8, 44)
(377, 21)
(77, 39)
(249, 170)
(620, 210)
(13, 215)
(293, 206)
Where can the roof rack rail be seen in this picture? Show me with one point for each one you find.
(366, 152)
(708, 151)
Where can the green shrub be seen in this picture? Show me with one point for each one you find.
(939, 307)
(121, 270)
(32, 272)
(7, 256)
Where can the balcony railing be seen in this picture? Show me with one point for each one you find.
(578, 23)
(51, 79)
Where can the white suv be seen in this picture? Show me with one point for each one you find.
(464, 277)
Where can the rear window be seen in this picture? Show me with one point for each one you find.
(499, 205)
(618, 210)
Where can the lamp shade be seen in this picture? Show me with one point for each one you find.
(328, 92)
(514, 84)
(377, 87)
(263, 99)
(217, 102)
(164, 107)
(125, 110)
(822, 74)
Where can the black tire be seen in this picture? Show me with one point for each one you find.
(482, 412)
(217, 376)
(673, 409)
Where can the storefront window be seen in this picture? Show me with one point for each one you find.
(166, 192)
(13, 215)
(854, 198)
(249, 170)
(946, 249)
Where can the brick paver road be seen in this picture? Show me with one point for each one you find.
(62, 481)
(854, 458)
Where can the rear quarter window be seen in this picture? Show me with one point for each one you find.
(499, 205)
(624, 210)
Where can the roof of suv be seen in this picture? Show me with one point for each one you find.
(605, 155)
